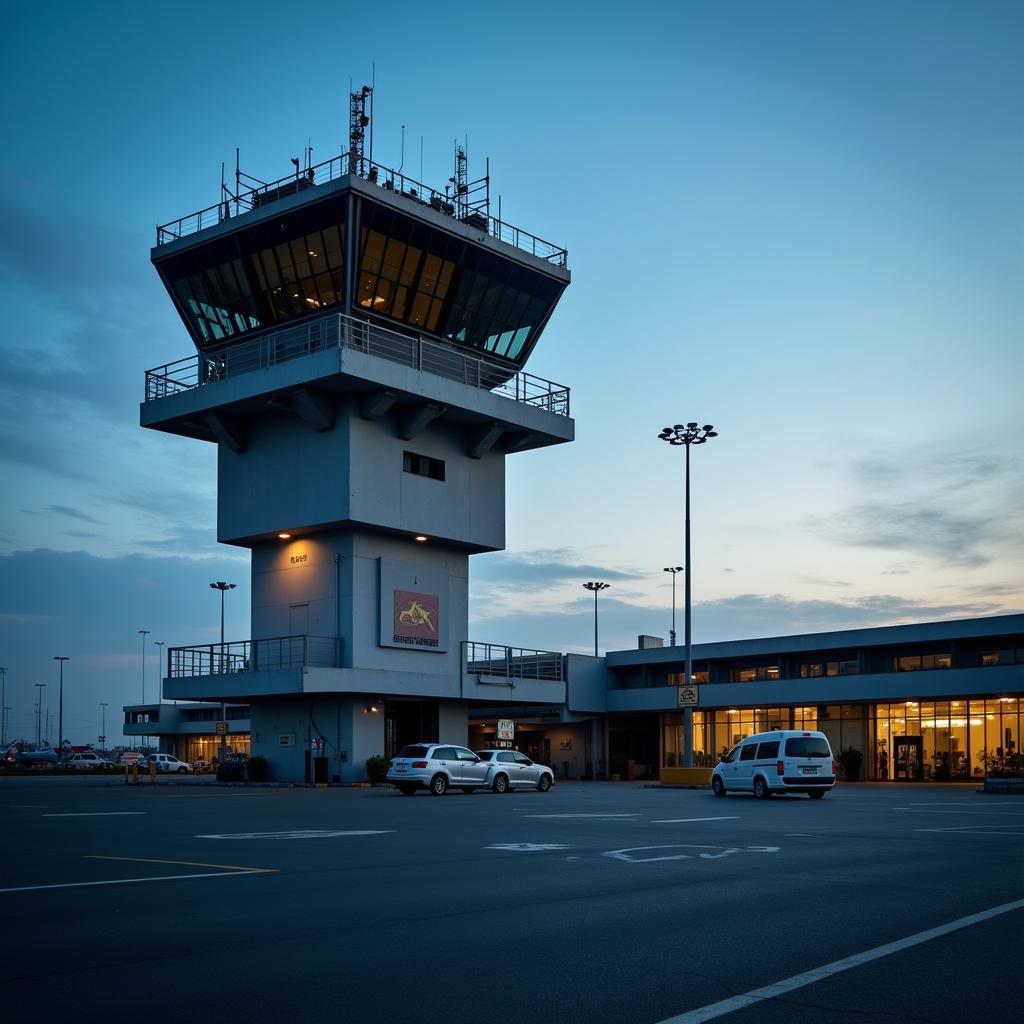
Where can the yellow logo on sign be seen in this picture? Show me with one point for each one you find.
(415, 614)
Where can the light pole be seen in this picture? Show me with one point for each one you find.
(596, 588)
(103, 712)
(223, 588)
(143, 633)
(3, 708)
(688, 434)
(60, 659)
(39, 711)
(672, 632)
(159, 645)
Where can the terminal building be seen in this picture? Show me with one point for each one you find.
(360, 350)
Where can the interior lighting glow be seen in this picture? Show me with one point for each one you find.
(285, 536)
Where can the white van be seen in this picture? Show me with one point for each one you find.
(785, 761)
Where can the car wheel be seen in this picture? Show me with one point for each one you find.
(816, 794)
(439, 785)
(545, 782)
(500, 784)
(407, 790)
(717, 786)
(761, 790)
(182, 770)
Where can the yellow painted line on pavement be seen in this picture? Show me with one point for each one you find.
(186, 863)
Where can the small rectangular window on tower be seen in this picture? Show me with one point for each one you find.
(423, 465)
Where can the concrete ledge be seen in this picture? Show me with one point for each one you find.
(686, 776)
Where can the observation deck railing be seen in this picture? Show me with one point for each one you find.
(254, 656)
(377, 174)
(481, 659)
(341, 331)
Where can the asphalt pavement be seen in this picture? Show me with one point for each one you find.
(596, 902)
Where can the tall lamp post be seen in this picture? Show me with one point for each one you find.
(672, 632)
(688, 434)
(39, 712)
(596, 588)
(159, 645)
(3, 708)
(143, 633)
(103, 712)
(223, 588)
(60, 659)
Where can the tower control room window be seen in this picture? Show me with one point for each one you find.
(423, 465)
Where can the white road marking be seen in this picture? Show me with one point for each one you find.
(299, 834)
(131, 881)
(800, 835)
(977, 830)
(634, 815)
(725, 851)
(673, 821)
(528, 847)
(780, 988)
(931, 810)
(94, 814)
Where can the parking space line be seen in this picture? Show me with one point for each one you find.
(634, 815)
(184, 863)
(94, 814)
(673, 821)
(977, 830)
(131, 881)
(780, 988)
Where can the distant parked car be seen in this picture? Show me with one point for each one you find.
(129, 757)
(166, 763)
(86, 761)
(508, 769)
(437, 766)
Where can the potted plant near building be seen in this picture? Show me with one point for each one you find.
(376, 768)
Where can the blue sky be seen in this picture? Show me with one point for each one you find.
(801, 222)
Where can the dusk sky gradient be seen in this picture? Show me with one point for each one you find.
(798, 221)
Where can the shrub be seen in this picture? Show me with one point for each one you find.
(376, 768)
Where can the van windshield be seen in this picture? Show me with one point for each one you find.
(807, 746)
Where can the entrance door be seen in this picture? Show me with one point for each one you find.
(298, 620)
(908, 761)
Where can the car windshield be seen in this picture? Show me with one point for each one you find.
(413, 752)
(807, 746)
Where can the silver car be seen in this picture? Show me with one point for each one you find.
(436, 766)
(508, 769)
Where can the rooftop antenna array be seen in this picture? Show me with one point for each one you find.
(360, 117)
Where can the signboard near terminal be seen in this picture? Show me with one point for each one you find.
(413, 605)
(688, 696)
(506, 729)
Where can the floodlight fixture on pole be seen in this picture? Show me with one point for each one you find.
(672, 632)
(159, 645)
(60, 709)
(596, 588)
(688, 434)
(103, 712)
(223, 588)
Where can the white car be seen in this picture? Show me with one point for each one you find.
(786, 761)
(436, 766)
(511, 770)
(165, 763)
(86, 761)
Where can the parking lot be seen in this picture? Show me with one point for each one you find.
(594, 902)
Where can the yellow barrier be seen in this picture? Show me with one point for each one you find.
(686, 776)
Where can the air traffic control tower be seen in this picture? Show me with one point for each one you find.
(360, 343)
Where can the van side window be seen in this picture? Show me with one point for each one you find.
(731, 756)
(769, 750)
(749, 752)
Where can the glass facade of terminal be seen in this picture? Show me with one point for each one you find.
(934, 741)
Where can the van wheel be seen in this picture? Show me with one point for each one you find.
(717, 786)
(761, 790)
(438, 785)
(816, 794)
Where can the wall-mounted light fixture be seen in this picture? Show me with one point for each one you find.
(284, 536)
(420, 538)
(371, 709)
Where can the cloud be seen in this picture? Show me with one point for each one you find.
(74, 513)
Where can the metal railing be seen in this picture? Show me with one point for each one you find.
(254, 656)
(377, 174)
(481, 659)
(341, 331)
